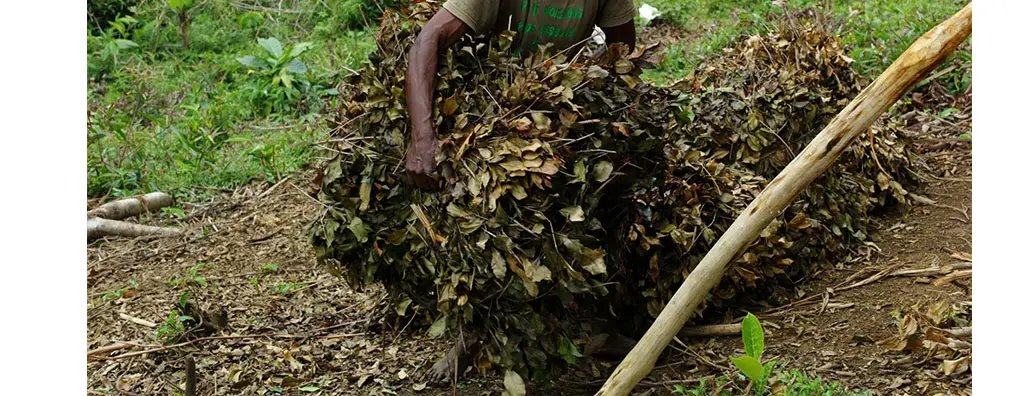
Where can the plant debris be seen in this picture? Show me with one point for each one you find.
(942, 333)
(572, 189)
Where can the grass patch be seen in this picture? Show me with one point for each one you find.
(192, 121)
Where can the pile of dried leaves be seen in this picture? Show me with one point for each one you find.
(750, 111)
(572, 189)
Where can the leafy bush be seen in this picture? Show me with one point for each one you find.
(105, 49)
(342, 15)
(278, 77)
(101, 12)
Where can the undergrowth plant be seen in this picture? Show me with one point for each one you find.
(107, 48)
(279, 77)
(191, 277)
(287, 288)
(761, 374)
(182, 9)
(182, 120)
(172, 328)
(750, 363)
(128, 291)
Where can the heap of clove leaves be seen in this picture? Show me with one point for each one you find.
(573, 192)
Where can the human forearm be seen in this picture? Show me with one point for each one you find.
(439, 33)
(419, 84)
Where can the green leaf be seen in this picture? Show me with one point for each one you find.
(176, 5)
(180, 5)
(498, 264)
(440, 325)
(286, 78)
(514, 385)
(359, 229)
(299, 48)
(297, 67)
(364, 195)
(753, 337)
(965, 136)
(568, 350)
(768, 368)
(602, 171)
(271, 45)
(183, 299)
(252, 62)
(749, 366)
(309, 388)
(573, 213)
(579, 172)
(403, 306)
(125, 44)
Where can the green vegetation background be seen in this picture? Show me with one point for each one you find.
(192, 121)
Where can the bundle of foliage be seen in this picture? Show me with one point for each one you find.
(510, 244)
(749, 112)
(570, 188)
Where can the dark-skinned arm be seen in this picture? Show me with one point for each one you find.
(624, 33)
(440, 32)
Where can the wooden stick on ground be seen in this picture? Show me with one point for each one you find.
(130, 207)
(105, 219)
(190, 376)
(923, 55)
(138, 321)
(99, 227)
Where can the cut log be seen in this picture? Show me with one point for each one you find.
(923, 56)
(130, 207)
(100, 227)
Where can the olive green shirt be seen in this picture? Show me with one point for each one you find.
(563, 23)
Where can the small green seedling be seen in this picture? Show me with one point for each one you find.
(177, 213)
(124, 292)
(753, 344)
(174, 326)
(288, 287)
(190, 278)
(700, 390)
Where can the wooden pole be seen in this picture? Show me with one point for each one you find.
(923, 55)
